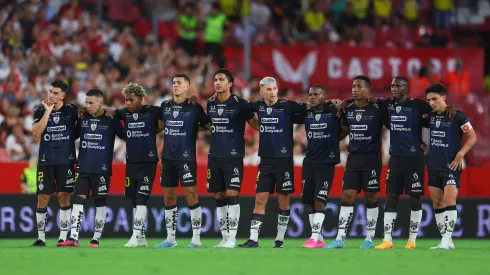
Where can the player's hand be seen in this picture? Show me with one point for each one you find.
(423, 146)
(372, 99)
(110, 112)
(192, 99)
(451, 111)
(213, 97)
(48, 107)
(457, 162)
(82, 111)
(336, 102)
(341, 108)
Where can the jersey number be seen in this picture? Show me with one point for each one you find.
(388, 174)
(76, 176)
(258, 175)
(128, 182)
(209, 173)
(40, 176)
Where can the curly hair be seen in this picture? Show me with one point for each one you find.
(134, 88)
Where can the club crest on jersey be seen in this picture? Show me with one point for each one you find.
(398, 109)
(358, 117)
(176, 114)
(220, 111)
(135, 116)
(438, 123)
(318, 116)
(56, 119)
(269, 111)
(93, 126)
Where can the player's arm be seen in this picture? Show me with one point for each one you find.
(250, 116)
(119, 129)
(344, 127)
(41, 117)
(203, 118)
(425, 122)
(470, 140)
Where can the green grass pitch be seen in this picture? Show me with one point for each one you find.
(469, 257)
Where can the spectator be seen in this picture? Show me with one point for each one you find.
(410, 11)
(350, 24)
(439, 39)
(361, 9)
(382, 10)
(28, 179)
(336, 9)
(18, 144)
(214, 34)
(458, 81)
(315, 21)
(187, 25)
(443, 10)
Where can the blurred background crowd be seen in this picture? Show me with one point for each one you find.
(108, 43)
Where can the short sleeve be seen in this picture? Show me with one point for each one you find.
(299, 119)
(254, 106)
(38, 114)
(247, 111)
(119, 113)
(423, 106)
(463, 122)
(118, 128)
(202, 117)
(298, 108)
(426, 121)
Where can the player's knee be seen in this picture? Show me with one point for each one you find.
(415, 203)
(261, 199)
(370, 197)
(220, 195)
(391, 201)
(100, 202)
(78, 200)
(43, 200)
(233, 200)
(319, 206)
(64, 198)
(141, 200)
(232, 193)
(348, 198)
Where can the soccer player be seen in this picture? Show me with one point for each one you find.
(276, 171)
(142, 123)
(182, 120)
(364, 121)
(228, 114)
(445, 160)
(406, 167)
(94, 167)
(323, 132)
(55, 124)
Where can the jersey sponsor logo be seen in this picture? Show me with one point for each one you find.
(235, 180)
(318, 126)
(266, 120)
(358, 127)
(103, 188)
(92, 145)
(287, 184)
(398, 118)
(438, 134)
(56, 128)
(372, 182)
(136, 125)
(145, 188)
(102, 179)
(323, 193)
(175, 123)
(318, 135)
(451, 182)
(287, 175)
(187, 175)
(415, 176)
(219, 120)
(135, 116)
(92, 136)
(416, 185)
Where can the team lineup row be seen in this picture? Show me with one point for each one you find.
(327, 122)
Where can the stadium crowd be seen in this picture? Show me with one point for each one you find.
(45, 40)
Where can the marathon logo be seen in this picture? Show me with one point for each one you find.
(318, 126)
(266, 120)
(358, 127)
(175, 123)
(398, 118)
(136, 125)
(92, 136)
(57, 128)
(220, 120)
(438, 134)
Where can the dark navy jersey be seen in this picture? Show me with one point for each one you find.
(323, 134)
(276, 127)
(97, 143)
(228, 120)
(141, 129)
(181, 127)
(365, 125)
(58, 139)
(405, 124)
(445, 138)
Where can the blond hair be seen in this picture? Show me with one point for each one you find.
(134, 88)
